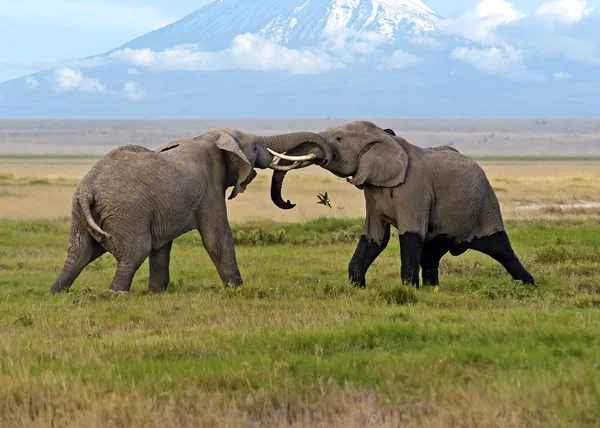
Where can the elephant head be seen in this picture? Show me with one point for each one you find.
(363, 151)
(246, 152)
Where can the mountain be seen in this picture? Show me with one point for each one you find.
(308, 58)
(292, 23)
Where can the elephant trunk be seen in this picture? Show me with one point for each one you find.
(276, 185)
(285, 143)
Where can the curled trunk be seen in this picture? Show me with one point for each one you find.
(287, 142)
(276, 185)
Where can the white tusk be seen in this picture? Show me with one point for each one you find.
(296, 165)
(309, 157)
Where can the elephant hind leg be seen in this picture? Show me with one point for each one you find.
(128, 262)
(83, 249)
(499, 248)
(159, 268)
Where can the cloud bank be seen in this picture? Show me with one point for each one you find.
(68, 79)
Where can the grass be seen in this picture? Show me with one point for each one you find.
(297, 345)
(565, 189)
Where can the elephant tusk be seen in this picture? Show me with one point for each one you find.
(309, 157)
(296, 165)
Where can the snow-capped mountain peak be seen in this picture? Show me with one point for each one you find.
(322, 18)
(292, 22)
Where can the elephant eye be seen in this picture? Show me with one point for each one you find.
(338, 138)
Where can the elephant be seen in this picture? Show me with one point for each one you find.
(135, 201)
(439, 200)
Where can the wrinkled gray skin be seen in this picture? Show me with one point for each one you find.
(134, 202)
(439, 200)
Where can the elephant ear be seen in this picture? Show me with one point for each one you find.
(384, 164)
(238, 162)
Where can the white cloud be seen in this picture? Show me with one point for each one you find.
(400, 59)
(256, 53)
(561, 75)
(249, 51)
(347, 43)
(133, 91)
(564, 11)
(31, 83)
(505, 61)
(478, 24)
(133, 71)
(85, 13)
(69, 79)
(427, 42)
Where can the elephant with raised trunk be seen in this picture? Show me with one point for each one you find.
(134, 202)
(439, 200)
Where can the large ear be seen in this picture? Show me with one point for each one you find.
(384, 164)
(238, 162)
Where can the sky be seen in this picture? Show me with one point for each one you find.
(38, 32)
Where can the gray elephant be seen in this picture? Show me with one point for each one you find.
(439, 200)
(134, 202)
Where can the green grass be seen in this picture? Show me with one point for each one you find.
(297, 345)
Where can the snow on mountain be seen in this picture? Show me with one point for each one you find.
(293, 23)
(274, 58)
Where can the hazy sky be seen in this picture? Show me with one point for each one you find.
(34, 32)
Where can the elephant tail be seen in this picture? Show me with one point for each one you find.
(84, 203)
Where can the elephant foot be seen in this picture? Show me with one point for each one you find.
(157, 288)
(57, 288)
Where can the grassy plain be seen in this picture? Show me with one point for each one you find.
(41, 188)
(296, 345)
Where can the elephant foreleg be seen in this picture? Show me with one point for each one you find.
(218, 241)
(159, 269)
(411, 246)
(499, 248)
(432, 253)
(83, 249)
(373, 241)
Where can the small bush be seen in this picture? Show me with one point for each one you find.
(24, 319)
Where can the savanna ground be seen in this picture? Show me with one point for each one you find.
(297, 345)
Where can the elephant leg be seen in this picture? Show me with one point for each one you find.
(83, 249)
(373, 241)
(128, 262)
(499, 248)
(218, 241)
(432, 253)
(159, 268)
(411, 246)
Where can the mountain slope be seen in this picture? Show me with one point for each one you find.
(293, 23)
(291, 58)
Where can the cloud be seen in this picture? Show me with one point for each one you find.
(248, 51)
(505, 61)
(564, 11)
(400, 59)
(256, 53)
(426, 42)
(31, 83)
(133, 91)
(68, 79)
(132, 71)
(560, 75)
(86, 13)
(478, 24)
(347, 43)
